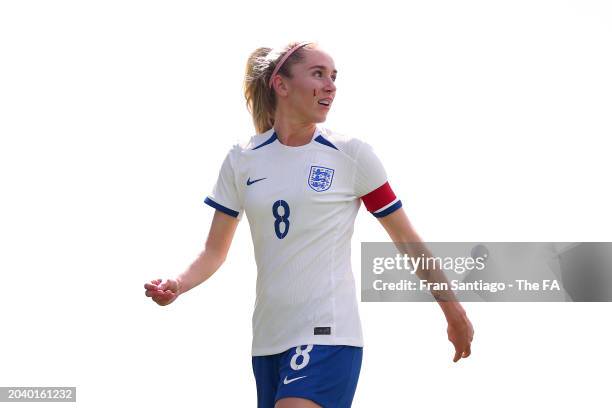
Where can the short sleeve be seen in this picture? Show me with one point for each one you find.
(371, 183)
(225, 195)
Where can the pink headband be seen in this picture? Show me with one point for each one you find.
(282, 60)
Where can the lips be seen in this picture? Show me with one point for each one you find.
(325, 102)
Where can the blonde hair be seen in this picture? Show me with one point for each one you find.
(260, 98)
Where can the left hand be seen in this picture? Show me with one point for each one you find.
(460, 333)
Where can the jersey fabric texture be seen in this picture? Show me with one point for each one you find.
(327, 375)
(301, 203)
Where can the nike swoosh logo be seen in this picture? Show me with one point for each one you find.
(286, 381)
(249, 182)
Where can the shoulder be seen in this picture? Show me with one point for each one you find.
(247, 145)
(350, 145)
(258, 140)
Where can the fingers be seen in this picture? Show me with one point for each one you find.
(165, 284)
(157, 293)
(461, 336)
(462, 353)
(158, 284)
(153, 285)
(161, 291)
(169, 284)
(164, 298)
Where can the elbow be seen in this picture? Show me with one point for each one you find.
(407, 236)
(221, 257)
(218, 255)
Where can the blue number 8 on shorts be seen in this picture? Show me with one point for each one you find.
(325, 374)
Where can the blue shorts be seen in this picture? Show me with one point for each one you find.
(324, 374)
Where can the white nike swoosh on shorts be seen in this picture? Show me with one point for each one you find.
(285, 381)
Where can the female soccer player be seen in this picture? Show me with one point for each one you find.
(301, 186)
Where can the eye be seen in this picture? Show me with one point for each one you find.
(318, 71)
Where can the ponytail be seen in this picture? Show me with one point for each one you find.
(260, 98)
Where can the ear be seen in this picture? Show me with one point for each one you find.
(280, 85)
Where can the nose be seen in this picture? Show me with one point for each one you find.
(330, 86)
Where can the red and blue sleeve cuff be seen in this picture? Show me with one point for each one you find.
(381, 201)
(388, 210)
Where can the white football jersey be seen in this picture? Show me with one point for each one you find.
(301, 203)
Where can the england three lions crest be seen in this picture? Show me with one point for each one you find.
(320, 178)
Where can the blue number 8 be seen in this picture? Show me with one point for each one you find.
(278, 218)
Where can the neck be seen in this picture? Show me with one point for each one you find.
(293, 132)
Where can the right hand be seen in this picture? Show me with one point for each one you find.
(162, 292)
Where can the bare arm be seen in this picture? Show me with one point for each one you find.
(215, 251)
(401, 232)
(222, 229)
(408, 242)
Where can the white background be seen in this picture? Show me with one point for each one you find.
(492, 119)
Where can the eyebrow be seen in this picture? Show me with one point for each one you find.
(335, 71)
